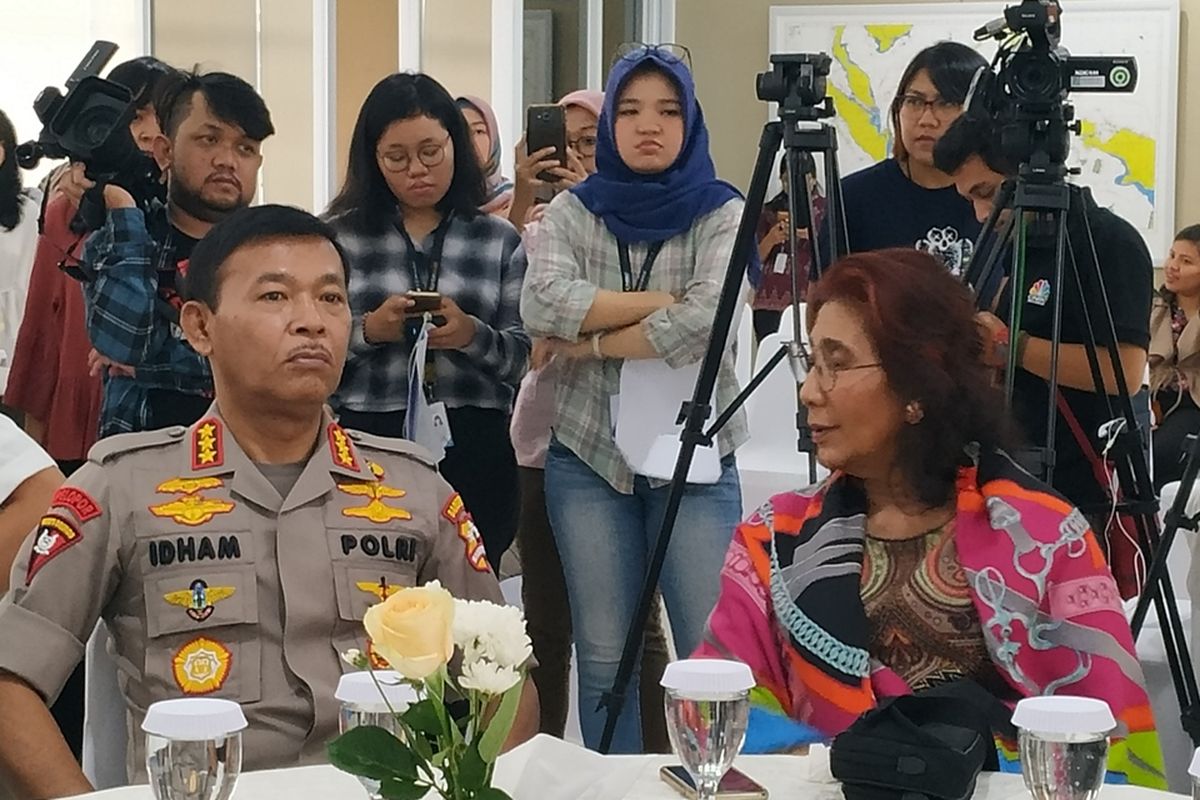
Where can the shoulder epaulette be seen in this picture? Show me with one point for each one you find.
(403, 447)
(109, 448)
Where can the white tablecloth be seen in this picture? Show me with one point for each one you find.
(784, 777)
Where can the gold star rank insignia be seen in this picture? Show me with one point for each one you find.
(340, 449)
(207, 444)
(201, 666)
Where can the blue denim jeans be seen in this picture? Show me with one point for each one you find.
(605, 540)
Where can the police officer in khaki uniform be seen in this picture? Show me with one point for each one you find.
(234, 558)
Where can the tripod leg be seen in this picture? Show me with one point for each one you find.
(1134, 475)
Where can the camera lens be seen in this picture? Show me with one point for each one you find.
(1036, 80)
(94, 125)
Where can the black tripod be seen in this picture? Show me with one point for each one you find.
(1040, 196)
(797, 82)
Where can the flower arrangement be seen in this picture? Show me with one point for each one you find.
(417, 631)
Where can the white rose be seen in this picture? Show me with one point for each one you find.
(509, 643)
(489, 678)
(491, 632)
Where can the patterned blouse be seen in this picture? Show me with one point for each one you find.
(922, 621)
(1179, 321)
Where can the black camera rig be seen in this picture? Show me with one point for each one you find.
(1025, 90)
(90, 124)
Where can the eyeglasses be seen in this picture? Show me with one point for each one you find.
(429, 154)
(826, 376)
(584, 145)
(670, 53)
(916, 104)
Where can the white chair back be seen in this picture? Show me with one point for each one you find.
(769, 462)
(105, 735)
(511, 589)
(744, 356)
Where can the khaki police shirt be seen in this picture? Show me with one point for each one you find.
(213, 585)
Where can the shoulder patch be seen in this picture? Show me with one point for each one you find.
(78, 501)
(402, 447)
(54, 534)
(112, 447)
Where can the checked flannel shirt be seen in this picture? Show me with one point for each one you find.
(576, 256)
(482, 271)
(131, 319)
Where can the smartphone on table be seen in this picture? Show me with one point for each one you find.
(736, 785)
(546, 126)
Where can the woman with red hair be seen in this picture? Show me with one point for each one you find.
(927, 556)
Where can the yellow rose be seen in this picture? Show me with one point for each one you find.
(412, 630)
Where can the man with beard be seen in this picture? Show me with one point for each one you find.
(213, 127)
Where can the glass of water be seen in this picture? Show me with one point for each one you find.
(369, 698)
(708, 707)
(1194, 774)
(1063, 744)
(193, 748)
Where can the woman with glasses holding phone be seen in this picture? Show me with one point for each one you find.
(927, 557)
(417, 244)
(905, 201)
(628, 266)
(581, 111)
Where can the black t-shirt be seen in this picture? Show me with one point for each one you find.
(1128, 274)
(169, 407)
(885, 209)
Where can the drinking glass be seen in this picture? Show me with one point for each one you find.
(194, 748)
(365, 698)
(1063, 744)
(707, 706)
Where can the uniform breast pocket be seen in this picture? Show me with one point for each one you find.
(202, 634)
(363, 580)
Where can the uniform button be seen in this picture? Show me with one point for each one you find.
(355, 435)
(176, 431)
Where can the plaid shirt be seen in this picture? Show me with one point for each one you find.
(132, 322)
(575, 256)
(479, 273)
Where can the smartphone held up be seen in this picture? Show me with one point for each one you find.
(546, 126)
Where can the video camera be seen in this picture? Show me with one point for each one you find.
(90, 124)
(1025, 90)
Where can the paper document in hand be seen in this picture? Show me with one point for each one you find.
(650, 398)
(425, 423)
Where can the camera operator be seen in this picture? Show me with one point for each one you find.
(50, 381)
(970, 152)
(213, 128)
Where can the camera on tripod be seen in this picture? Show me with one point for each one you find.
(1026, 89)
(798, 82)
(90, 124)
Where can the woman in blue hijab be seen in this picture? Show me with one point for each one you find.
(629, 265)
